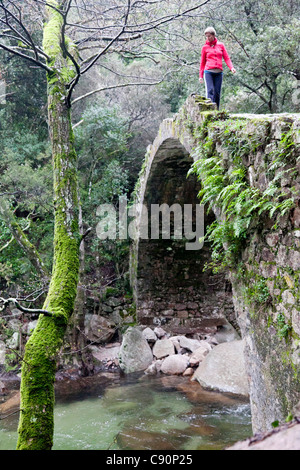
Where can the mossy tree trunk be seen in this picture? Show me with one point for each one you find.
(39, 364)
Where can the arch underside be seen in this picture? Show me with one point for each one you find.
(172, 287)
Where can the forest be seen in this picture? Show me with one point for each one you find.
(84, 85)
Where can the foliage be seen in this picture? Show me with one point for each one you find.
(227, 191)
(26, 179)
(255, 290)
(112, 185)
(102, 140)
(263, 39)
(283, 327)
(103, 133)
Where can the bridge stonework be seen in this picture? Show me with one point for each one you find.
(260, 297)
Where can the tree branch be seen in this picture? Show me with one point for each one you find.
(67, 53)
(111, 42)
(12, 22)
(31, 311)
(12, 50)
(122, 85)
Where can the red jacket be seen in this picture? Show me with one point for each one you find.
(211, 57)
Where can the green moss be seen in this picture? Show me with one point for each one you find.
(284, 328)
(52, 31)
(63, 67)
(256, 290)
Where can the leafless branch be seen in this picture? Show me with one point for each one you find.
(32, 311)
(12, 19)
(122, 85)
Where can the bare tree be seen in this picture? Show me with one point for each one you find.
(66, 38)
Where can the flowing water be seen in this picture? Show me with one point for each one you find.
(142, 412)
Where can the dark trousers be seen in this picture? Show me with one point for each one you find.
(213, 84)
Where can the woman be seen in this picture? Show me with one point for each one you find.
(211, 65)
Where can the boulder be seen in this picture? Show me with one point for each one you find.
(151, 370)
(223, 369)
(160, 332)
(135, 353)
(104, 354)
(31, 326)
(115, 317)
(176, 343)
(188, 372)
(98, 329)
(175, 364)
(188, 343)
(200, 353)
(149, 335)
(226, 333)
(163, 348)
(14, 341)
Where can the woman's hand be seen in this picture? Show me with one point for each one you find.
(233, 70)
(201, 80)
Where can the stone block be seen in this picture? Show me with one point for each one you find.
(2, 352)
(167, 313)
(149, 334)
(267, 255)
(272, 239)
(294, 259)
(192, 305)
(268, 270)
(282, 257)
(180, 307)
(113, 302)
(200, 353)
(106, 308)
(182, 314)
(174, 365)
(296, 217)
(296, 321)
(288, 298)
(280, 126)
(296, 132)
(163, 348)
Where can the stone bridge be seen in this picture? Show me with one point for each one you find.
(260, 296)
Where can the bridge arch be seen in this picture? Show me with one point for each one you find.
(170, 286)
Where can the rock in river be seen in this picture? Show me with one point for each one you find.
(223, 369)
(135, 353)
(163, 348)
(175, 364)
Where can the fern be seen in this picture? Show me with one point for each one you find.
(241, 205)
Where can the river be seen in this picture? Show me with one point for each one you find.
(139, 412)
